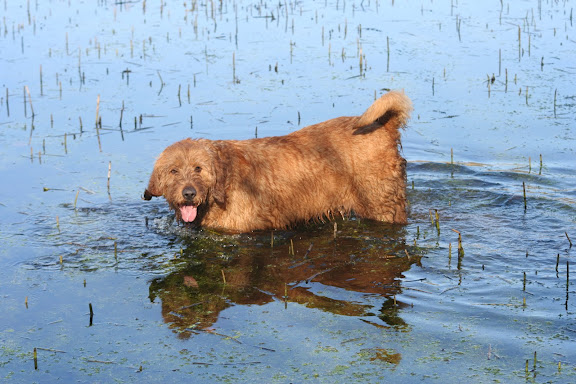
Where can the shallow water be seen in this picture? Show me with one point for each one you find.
(371, 303)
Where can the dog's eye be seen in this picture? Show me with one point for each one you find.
(198, 169)
(174, 171)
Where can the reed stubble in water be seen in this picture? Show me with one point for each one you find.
(29, 99)
(460, 247)
(76, 199)
(555, 95)
(109, 171)
(567, 283)
(525, 201)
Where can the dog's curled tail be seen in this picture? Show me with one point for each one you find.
(393, 105)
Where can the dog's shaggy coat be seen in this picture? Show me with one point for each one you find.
(343, 165)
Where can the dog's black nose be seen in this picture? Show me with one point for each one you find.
(189, 193)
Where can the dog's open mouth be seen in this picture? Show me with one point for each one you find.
(188, 213)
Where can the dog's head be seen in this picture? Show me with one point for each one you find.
(189, 174)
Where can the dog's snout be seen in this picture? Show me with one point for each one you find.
(189, 193)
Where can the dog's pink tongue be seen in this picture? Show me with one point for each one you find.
(188, 213)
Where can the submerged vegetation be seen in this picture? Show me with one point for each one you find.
(96, 286)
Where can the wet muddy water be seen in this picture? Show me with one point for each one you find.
(107, 287)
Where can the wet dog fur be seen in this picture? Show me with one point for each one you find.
(340, 166)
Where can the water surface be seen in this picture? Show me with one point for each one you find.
(493, 90)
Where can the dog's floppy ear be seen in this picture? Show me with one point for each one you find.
(154, 186)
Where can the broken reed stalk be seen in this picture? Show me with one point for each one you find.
(30, 100)
(272, 239)
(555, 93)
(360, 60)
(97, 110)
(234, 67)
(540, 172)
(460, 248)
(121, 115)
(109, 170)
(568, 237)
(567, 282)
(223, 276)
(524, 282)
(524, 189)
(458, 24)
(557, 262)
(91, 313)
(519, 43)
(35, 359)
(99, 124)
(76, 198)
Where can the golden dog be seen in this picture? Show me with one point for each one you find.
(343, 165)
